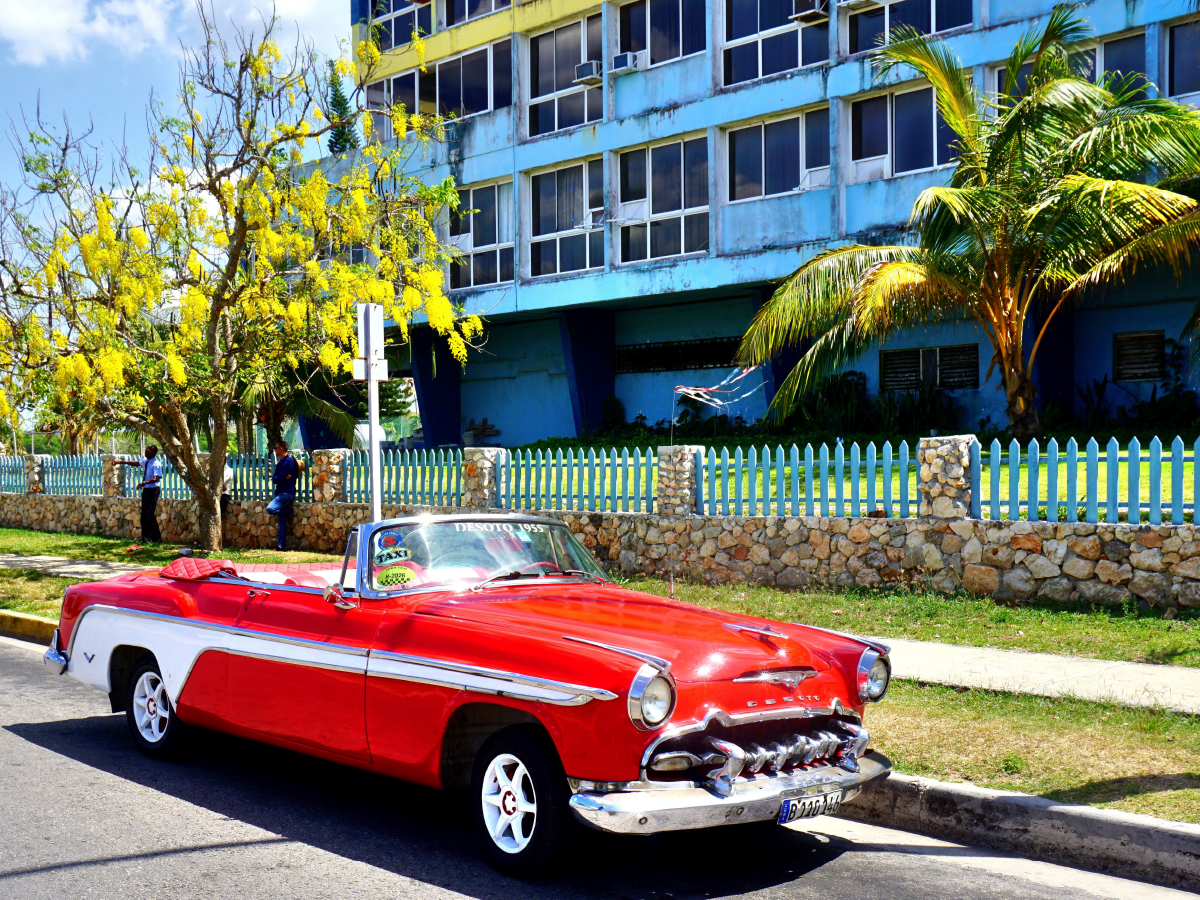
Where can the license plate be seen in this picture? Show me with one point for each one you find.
(810, 806)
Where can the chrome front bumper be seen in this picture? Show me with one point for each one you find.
(756, 798)
(54, 656)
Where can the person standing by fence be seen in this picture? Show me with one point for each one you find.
(151, 485)
(286, 472)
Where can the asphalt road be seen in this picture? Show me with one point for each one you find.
(84, 815)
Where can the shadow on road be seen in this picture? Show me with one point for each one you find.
(424, 834)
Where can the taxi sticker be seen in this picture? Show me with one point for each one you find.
(395, 575)
(399, 554)
(390, 539)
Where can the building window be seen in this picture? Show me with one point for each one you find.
(567, 208)
(553, 57)
(1117, 59)
(458, 11)
(673, 28)
(761, 40)
(395, 20)
(897, 133)
(475, 82)
(664, 200)
(1022, 80)
(1139, 356)
(779, 157)
(945, 368)
(1185, 59)
(926, 16)
(677, 356)
(482, 230)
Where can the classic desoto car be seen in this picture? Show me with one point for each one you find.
(492, 653)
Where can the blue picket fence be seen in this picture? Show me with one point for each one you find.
(12, 475)
(847, 482)
(1093, 485)
(421, 477)
(252, 476)
(611, 481)
(71, 475)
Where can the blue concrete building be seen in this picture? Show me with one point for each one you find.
(644, 173)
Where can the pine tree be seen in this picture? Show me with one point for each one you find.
(342, 137)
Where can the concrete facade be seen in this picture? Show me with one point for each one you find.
(528, 381)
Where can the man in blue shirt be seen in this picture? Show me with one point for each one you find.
(285, 475)
(151, 485)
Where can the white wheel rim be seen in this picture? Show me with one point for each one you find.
(151, 707)
(509, 803)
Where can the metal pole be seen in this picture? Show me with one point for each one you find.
(373, 427)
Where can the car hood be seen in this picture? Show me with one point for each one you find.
(696, 641)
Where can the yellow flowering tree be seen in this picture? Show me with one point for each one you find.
(149, 296)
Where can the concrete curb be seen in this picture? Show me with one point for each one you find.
(1124, 844)
(23, 625)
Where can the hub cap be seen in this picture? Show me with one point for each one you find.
(509, 803)
(151, 708)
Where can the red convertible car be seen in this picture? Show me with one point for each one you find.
(491, 652)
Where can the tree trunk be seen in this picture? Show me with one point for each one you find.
(1022, 408)
(208, 524)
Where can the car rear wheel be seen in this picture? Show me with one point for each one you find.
(519, 801)
(152, 720)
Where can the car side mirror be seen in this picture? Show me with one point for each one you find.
(335, 595)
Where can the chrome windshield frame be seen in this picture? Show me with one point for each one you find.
(367, 532)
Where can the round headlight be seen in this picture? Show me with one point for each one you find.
(651, 697)
(656, 701)
(877, 680)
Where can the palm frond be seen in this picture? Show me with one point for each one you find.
(813, 300)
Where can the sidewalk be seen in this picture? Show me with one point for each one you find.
(68, 568)
(1175, 688)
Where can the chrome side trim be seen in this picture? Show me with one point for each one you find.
(658, 661)
(213, 626)
(540, 689)
(868, 642)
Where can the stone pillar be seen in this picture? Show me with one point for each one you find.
(329, 475)
(677, 480)
(34, 469)
(484, 473)
(944, 479)
(112, 474)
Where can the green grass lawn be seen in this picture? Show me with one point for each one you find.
(960, 619)
(90, 546)
(32, 592)
(1134, 760)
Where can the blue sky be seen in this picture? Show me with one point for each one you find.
(100, 59)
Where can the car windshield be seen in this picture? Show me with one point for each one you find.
(419, 554)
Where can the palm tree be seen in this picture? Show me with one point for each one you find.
(1061, 186)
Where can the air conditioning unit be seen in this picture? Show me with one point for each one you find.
(590, 73)
(627, 62)
(810, 12)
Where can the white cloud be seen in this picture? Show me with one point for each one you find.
(68, 29)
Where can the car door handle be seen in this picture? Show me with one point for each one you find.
(254, 595)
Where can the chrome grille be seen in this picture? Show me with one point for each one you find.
(719, 756)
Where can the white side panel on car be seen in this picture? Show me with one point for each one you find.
(177, 644)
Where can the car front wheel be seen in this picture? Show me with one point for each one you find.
(152, 720)
(519, 801)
